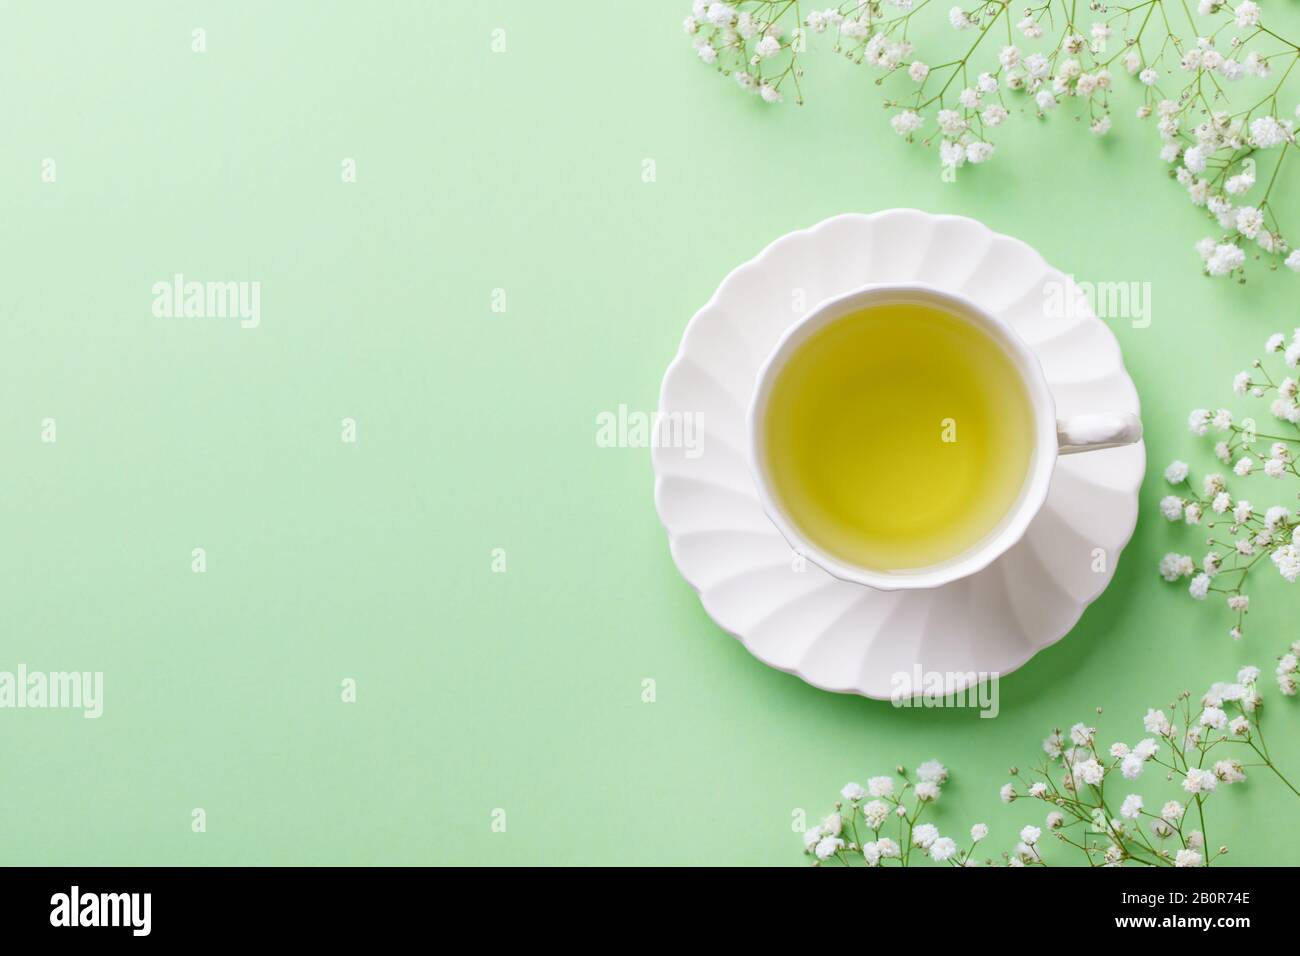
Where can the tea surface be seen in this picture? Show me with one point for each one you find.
(899, 436)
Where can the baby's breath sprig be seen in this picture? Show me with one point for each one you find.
(1201, 746)
(1042, 55)
(1243, 536)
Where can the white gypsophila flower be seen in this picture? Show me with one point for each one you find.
(951, 122)
(1171, 506)
(1287, 560)
(979, 152)
(986, 83)
(918, 71)
(927, 792)
(707, 54)
(1230, 771)
(943, 849)
(1241, 183)
(1222, 502)
(1148, 77)
(932, 772)
(1131, 807)
(1222, 451)
(1007, 792)
(1082, 735)
(1089, 771)
(1155, 722)
(1030, 28)
(1222, 421)
(853, 792)
(1213, 717)
(1029, 835)
(1274, 468)
(1198, 421)
(852, 28)
(1267, 132)
(833, 825)
(968, 98)
(721, 14)
(1243, 467)
(1199, 781)
(952, 154)
(1171, 812)
(888, 848)
(768, 47)
(1227, 258)
(978, 832)
(959, 20)
(1101, 125)
(880, 786)
(827, 847)
(906, 123)
(1176, 473)
(1146, 748)
(1037, 789)
(1187, 858)
(871, 853)
(1131, 766)
(1174, 566)
(994, 115)
(924, 834)
(1053, 744)
(1249, 221)
(1199, 587)
(1055, 820)
(875, 812)
(746, 81)
(1037, 66)
(1247, 14)
(1275, 342)
(1292, 261)
(770, 94)
(811, 836)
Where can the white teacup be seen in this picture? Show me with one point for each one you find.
(1052, 437)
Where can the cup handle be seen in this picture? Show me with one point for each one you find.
(1091, 432)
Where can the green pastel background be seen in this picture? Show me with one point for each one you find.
(477, 170)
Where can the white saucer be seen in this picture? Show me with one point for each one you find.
(846, 637)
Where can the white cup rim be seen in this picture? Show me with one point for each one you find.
(1033, 494)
